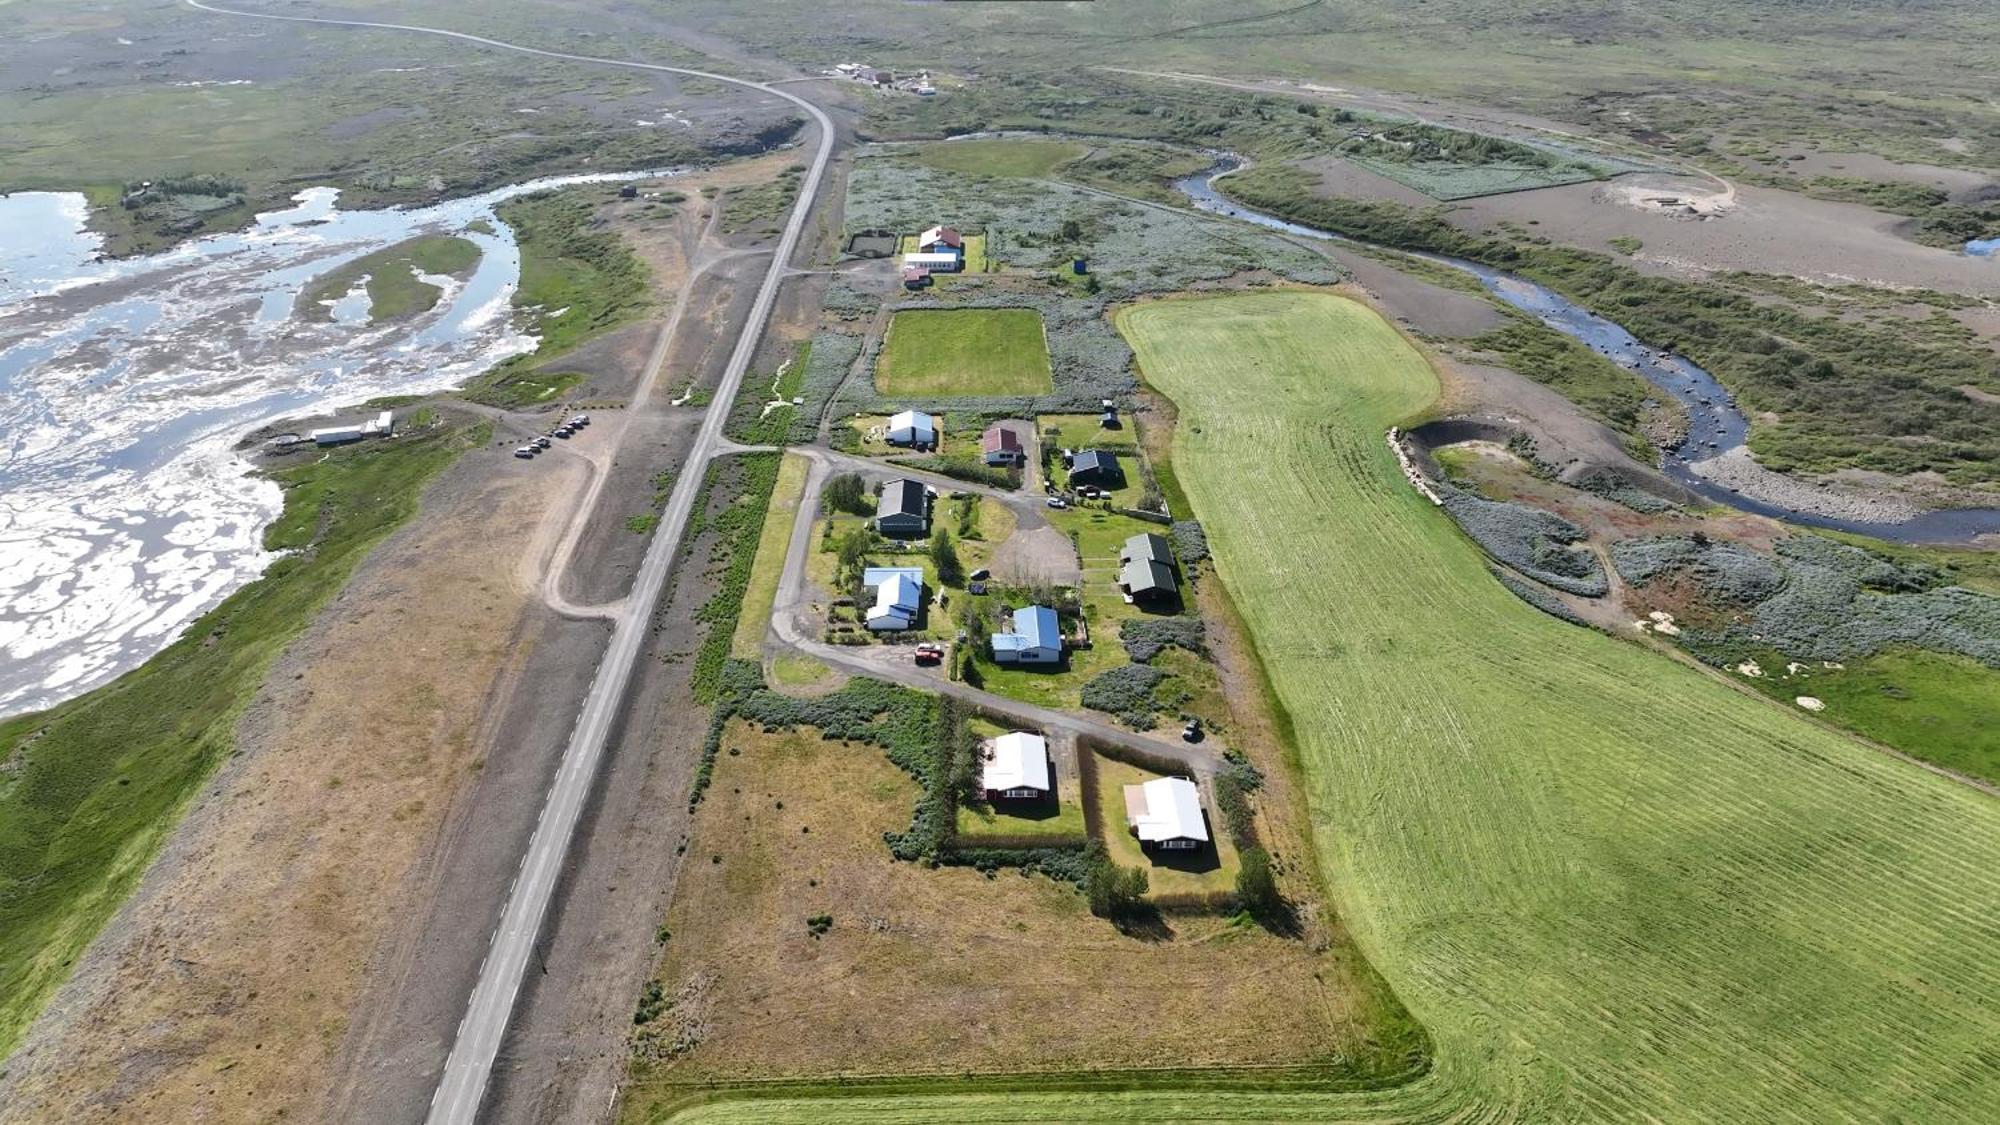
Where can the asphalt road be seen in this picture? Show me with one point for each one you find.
(462, 1087)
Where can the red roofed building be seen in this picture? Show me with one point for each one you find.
(1002, 445)
(915, 277)
(939, 239)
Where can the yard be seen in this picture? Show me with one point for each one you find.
(1002, 974)
(975, 261)
(1058, 818)
(1198, 871)
(971, 352)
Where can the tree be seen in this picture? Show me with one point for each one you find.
(1114, 891)
(944, 556)
(853, 556)
(1256, 886)
(846, 492)
(1072, 231)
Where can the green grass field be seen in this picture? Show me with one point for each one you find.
(393, 288)
(1004, 156)
(94, 785)
(1610, 887)
(772, 540)
(964, 352)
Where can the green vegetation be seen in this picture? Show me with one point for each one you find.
(739, 530)
(93, 786)
(1940, 707)
(1605, 391)
(394, 290)
(1449, 164)
(933, 352)
(1005, 156)
(1940, 222)
(1200, 876)
(1059, 820)
(762, 206)
(576, 282)
(1848, 392)
(764, 413)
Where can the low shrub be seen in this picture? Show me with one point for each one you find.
(1534, 542)
(1146, 637)
(1126, 692)
(1190, 541)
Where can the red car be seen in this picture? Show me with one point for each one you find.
(929, 653)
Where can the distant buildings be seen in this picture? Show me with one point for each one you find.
(913, 428)
(1036, 638)
(1001, 445)
(903, 510)
(1165, 813)
(1146, 569)
(382, 425)
(1015, 767)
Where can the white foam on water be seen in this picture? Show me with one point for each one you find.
(125, 513)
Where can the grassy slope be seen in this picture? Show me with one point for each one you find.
(1597, 915)
(964, 352)
(102, 778)
(393, 290)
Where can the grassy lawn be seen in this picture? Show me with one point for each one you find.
(1202, 871)
(1085, 431)
(933, 352)
(776, 535)
(95, 785)
(1003, 156)
(393, 288)
(1944, 707)
(1610, 887)
(1059, 818)
(798, 671)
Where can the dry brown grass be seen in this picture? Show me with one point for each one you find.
(942, 970)
(223, 992)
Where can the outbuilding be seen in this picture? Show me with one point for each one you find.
(913, 428)
(1036, 638)
(1165, 813)
(903, 510)
(1146, 569)
(916, 277)
(1015, 767)
(935, 261)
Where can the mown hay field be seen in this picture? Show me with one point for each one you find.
(964, 352)
(1610, 886)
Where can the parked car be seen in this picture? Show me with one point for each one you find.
(580, 420)
(1057, 502)
(540, 443)
(979, 574)
(1192, 731)
(930, 652)
(525, 453)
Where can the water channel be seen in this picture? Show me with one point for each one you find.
(125, 384)
(1716, 426)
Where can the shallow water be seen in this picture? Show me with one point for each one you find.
(1715, 424)
(1984, 247)
(124, 513)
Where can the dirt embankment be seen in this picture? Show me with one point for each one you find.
(222, 990)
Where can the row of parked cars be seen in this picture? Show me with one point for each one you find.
(567, 429)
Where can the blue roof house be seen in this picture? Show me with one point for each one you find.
(1036, 639)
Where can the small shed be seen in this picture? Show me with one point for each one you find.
(916, 277)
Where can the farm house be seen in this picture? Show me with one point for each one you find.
(1036, 638)
(1015, 766)
(903, 509)
(1001, 445)
(899, 593)
(912, 428)
(1165, 813)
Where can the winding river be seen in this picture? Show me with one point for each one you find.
(125, 385)
(1715, 427)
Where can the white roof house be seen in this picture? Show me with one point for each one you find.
(896, 601)
(912, 427)
(935, 261)
(1016, 765)
(1166, 812)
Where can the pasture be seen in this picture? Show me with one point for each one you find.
(1000, 156)
(981, 352)
(1610, 886)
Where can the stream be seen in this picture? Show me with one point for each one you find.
(1715, 425)
(125, 512)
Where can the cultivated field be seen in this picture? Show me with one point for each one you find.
(964, 352)
(1609, 886)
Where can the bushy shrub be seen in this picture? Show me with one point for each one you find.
(1126, 692)
(847, 492)
(1535, 596)
(1145, 637)
(1115, 892)
(1190, 541)
(1530, 540)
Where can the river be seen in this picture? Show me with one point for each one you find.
(125, 384)
(1715, 427)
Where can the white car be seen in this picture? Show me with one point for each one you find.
(1058, 502)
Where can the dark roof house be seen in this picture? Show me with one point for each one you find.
(903, 509)
(1096, 466)
(1146, 568)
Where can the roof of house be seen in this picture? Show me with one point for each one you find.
(1034, 627)
(915, 273)
(902, 498)
(1094, 460)
(1146, 547)
(1165, 808)
(1016, 761)
(912, 420)
(946, 235)
(874, 576)
(1142, 576)
(899, 595)
(999, 437)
